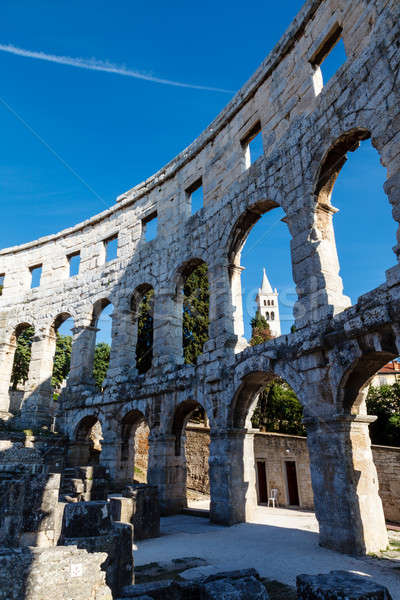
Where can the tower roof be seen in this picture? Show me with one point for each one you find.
(265, 286)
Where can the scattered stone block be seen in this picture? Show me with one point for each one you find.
(340, 585)
(88, 526)
(146, 510)
(59, 573)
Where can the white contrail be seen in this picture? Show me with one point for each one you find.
(93, 64)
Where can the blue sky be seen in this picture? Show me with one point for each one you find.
(74, 139)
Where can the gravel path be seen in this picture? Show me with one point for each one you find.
(281, 544)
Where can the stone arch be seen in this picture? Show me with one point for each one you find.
(133, 421)
(181, 416)
(333, 161)
(238, 234)
(97, 309)
(85, 446)
(234, 245)
(58, 321)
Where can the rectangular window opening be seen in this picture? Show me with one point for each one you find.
(36, 274)
(74, 261)
(328, 59)
(2, 275)
(149, 227)
(252, 145)
(111, 248)
(196, 196)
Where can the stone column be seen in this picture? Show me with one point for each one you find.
(315, 266)
(235, 273)
(226, 318)
(123, 345)
(37, 404)
(168, 472)
(82, 356)
(232, 476)
(167, 329)
(7, 351)
(345, 484)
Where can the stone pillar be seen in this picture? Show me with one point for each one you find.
(226, 319)
(37, 404)
(168, 472)
(235, 273)
(7, 351)
(315, 266)
(167, 332)
(345, 484)
(232, 476)
(82, 356)
(123, 345)
(109, 455)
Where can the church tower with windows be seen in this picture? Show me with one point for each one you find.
(267, 304)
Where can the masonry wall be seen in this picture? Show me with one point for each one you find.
(197, 451)
(275, 449)
(387, 462)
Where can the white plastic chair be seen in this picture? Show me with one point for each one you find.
(273, 498)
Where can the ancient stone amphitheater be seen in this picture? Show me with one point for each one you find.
(307, 129)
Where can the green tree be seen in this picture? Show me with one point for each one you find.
(101, 362)
(260, 330)
(279, 410)
(196, 301)
(62, 359)
(144, 345)
(384, 402)
(22, 357)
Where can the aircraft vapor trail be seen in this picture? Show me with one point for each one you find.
(92, 64)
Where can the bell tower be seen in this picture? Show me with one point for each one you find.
(267, 304)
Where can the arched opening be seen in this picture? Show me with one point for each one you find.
(261, 271)
(142, 307)
(102, 321)
(271, 447)
(85, 449)
(193, 293)
(62, 330)
(134, 448)
(22, 339)
(192, 441)
(350, 190)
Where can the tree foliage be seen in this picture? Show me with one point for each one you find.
(384, 402)
(195, 313)
(260, 330)
(144, 345)
(22, 357)
(62, 359)
(279, 410)
(101, 362)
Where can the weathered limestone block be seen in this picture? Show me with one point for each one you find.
(86, 519)
(59, 573)
(230, 585)
(339, 584)
(30, 513)
(88, 525)
(146, 510)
